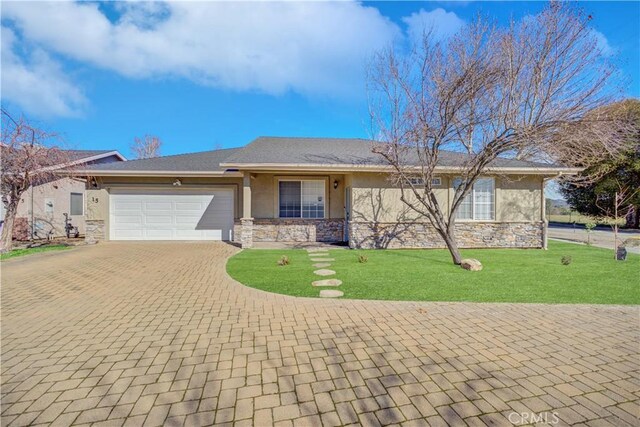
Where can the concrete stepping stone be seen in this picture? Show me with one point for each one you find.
(324, 272)
(327, 282)
(318, 250)
(322, 265)
(319, 254)
(330, 293)
(322, 259)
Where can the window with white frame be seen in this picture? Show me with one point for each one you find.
(479, 204)
(77, 204)
(301, 198)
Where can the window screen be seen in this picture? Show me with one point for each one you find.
(312, 199)
(290, 199)
(77, 202)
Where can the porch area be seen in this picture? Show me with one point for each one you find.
(295, 210)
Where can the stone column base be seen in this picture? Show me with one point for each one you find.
(94, 231)
(246, 233)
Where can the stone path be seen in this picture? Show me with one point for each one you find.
(158, 334)
(321, 255)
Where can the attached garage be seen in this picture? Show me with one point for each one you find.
(176, 214)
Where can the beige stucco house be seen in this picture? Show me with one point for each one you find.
(42, 207)
(307, 189)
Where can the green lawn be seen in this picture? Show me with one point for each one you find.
(21, 252)
(509, 275)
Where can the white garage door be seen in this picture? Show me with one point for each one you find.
(171, 215)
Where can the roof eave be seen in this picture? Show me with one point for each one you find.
(161, 173)
(387, 168)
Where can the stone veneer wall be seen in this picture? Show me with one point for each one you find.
(94, 230)
(367, 235)
(294, 230)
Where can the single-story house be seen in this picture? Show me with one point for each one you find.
(42, 207)
(307, 189)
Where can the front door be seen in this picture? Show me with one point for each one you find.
(347, 212)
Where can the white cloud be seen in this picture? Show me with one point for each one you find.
(37, 84)
(312, 48)
(603, 44)
(439, 22)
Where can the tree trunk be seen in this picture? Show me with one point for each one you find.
(452, 245)
(6, 240)
(632, 218)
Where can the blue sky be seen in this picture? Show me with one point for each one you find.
(209, 75)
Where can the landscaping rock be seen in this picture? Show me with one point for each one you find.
(621, 253)
(330, 293)
(324, 272)
(471, 264)
(327, 282)
(322, 265)
(322, 259)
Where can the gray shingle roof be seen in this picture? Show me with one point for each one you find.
(286, 151)
(204, 161)
(344, 151)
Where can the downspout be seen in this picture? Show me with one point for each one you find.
(545, 222)
(32, 223)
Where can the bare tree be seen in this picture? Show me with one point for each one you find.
(616, 204)
(147, 147)
(520, 92)
(28, 158)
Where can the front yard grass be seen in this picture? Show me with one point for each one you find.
(28, 251)
(509, 275)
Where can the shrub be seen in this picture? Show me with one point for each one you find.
(363, 259)
(589, 226)
(566, 260)
(284, 260)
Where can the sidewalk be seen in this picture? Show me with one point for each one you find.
(600, 238)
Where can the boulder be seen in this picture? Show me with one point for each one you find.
(621, 253)
(471, 264)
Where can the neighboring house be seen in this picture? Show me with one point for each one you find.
(44, 205)
(307, 189)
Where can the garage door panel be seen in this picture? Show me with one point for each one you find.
(187, 220)
(125, 234)
(155, 206)
(128, 205)
(128, 219)
(171, 215)
(193, 206)
(152, 234)
(157, 220)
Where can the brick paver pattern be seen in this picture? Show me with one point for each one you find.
(158, 334)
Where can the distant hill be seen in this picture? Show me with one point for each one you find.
(558, 203)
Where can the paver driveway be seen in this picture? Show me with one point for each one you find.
(159, 334)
